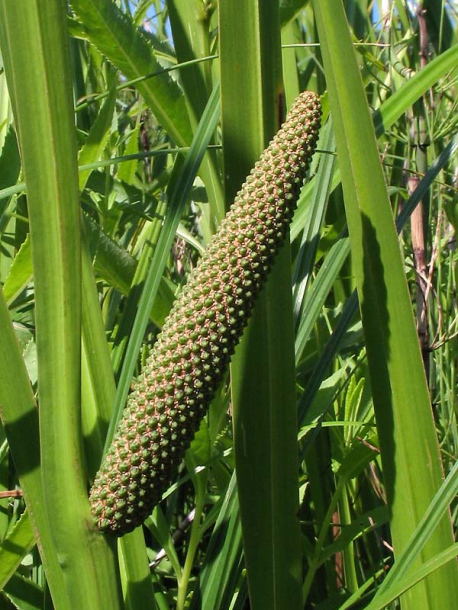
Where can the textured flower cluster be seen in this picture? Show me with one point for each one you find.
(194, 348)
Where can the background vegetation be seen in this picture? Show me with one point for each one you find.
(126, 128)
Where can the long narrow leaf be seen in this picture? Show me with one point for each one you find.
(263, 367)
(39, 73)
(129, 50)
(14, 548)
(403, 411)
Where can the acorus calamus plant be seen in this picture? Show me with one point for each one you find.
(193, 350)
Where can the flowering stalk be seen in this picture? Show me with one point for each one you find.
(194, 348)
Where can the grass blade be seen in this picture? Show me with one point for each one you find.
(223, 557)
(403, 411)
(263, 367)
(128, 48)
(20, 419)
(39, 73)
(14, 548)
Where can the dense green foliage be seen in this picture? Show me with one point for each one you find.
(164, 106)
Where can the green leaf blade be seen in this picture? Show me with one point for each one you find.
(402, 405)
